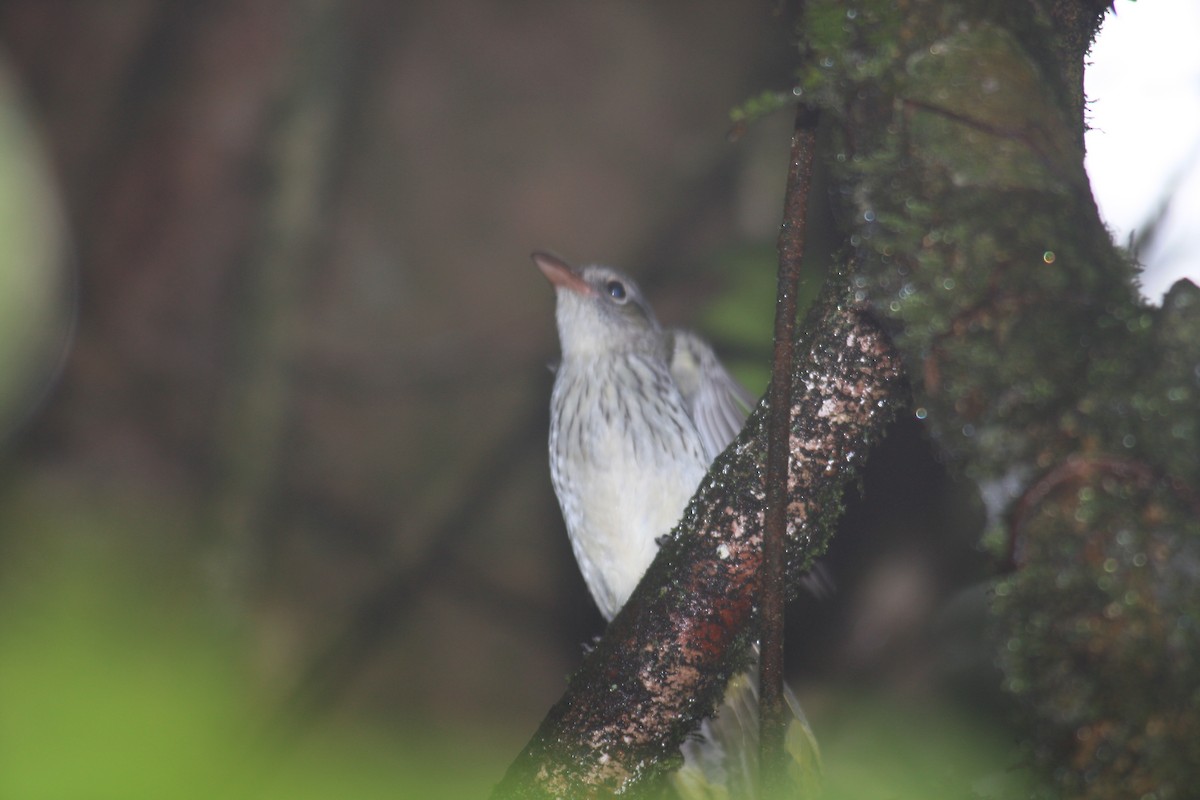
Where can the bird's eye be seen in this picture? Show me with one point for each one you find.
(616, 290)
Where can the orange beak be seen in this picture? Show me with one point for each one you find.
(559, 273)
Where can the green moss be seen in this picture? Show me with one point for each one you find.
(1098, 639)
(957, 158)
(961, 93)
(761, 105)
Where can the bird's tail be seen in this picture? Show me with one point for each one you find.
(722, 761)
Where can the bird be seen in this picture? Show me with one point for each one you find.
(638, 413)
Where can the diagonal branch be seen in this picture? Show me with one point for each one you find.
(663, 663)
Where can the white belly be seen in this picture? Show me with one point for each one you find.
(623, 476)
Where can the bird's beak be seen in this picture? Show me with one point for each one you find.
(559, 273)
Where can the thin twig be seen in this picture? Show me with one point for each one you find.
(792, 236)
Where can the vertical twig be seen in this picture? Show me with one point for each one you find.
(773, 709)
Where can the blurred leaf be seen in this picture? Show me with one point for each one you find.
(759, 106)
(118, 681)
(741, 318)
(881, 747)
(34, 321)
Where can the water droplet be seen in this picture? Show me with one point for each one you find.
(1128, 440)
(920, 413)
(869, 215)
(797, 91)
(968, 430)
(1048, 256)
(948, 283)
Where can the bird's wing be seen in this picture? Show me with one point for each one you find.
(716, 402)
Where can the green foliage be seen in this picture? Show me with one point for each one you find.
(108, 692)
(846, 43)
(877, 746)
(759, 106)
(740, 317)
(118, 681)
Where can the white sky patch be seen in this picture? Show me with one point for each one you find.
(1143, 85)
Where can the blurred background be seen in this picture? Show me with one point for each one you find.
(274, 385)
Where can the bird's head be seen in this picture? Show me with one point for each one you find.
(599, 310)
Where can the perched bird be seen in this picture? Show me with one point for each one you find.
(637, 415)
